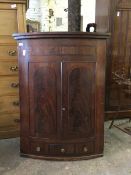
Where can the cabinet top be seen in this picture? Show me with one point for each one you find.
(91, 35)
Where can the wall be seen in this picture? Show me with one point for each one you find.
(34, 11)
(39, 11)
(87, 12)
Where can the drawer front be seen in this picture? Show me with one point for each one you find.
(80, 149)
(85, 148)
(9, 68)
(9, 120)
(61, 149)
(39, 148)
(9, 104)
(52, 149)
(8, 51)
(9, 85)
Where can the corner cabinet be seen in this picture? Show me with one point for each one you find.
(12, 20)
(62, 94)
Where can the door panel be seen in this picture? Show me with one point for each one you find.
(78, 99)
(44, 101)
(8, 22)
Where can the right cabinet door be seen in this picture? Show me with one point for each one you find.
(78, 100)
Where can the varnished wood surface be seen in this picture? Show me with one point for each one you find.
(61, 34)
(12, 19)
(118, 59)
(9, 85)
(14, 1)
(62, 94)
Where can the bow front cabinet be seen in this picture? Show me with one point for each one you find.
(62, 94)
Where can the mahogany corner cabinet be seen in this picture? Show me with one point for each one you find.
(62, 79)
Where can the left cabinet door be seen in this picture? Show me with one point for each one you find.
(45, 92)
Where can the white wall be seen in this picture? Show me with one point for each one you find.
(39, 11)
(34, 11)
(88, 12)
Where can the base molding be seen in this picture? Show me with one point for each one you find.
(110, 115)
(61, 158)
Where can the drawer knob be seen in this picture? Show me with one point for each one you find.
(85, 149)
(17, 120)
(62, 150)
(12, 52)
(14, 68)
(14, 85)
(38, 149)
(16, 103)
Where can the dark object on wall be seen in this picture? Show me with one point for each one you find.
(89, 26)
(58, 22)
(74, 17)
(33, 26)
(51, 13)
(62, 94)
(118, 71)
(66, 10)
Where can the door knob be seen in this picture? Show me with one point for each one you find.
(63, 109)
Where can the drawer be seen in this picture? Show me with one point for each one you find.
(39, 148)
(52, 149)
(80, 149)
(8, 51)
(9, 120)
(9, 85)
(9, 104)
(9, 68)
(61, 149)
(85, 148)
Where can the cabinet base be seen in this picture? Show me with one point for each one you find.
(61, 158)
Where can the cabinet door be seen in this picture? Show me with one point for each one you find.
(44, 95)
(118, 94)
(78, 103)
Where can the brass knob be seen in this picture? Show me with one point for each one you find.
(17, 120)
(16, 103)
(14, 68)
(62, 150)
(14, 85)
(12, 52)
(85, 149)
(38, 149)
